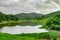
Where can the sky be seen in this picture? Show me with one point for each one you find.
(27, 6)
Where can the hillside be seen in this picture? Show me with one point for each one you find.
(53, 14)
(53, 21)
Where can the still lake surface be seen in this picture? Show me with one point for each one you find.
(22, 29)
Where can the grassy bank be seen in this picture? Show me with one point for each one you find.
(34, 36)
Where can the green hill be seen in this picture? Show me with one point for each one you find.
(53, 14)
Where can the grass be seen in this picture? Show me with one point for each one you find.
(57, 33)
(33, 36)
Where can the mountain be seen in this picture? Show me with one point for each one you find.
(29, 15)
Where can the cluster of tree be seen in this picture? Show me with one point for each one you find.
(21, 16)
(54, 23)
(4, 17)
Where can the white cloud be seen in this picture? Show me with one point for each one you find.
(18, 6)
(15, 0)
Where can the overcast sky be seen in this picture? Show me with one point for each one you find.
(20, 6)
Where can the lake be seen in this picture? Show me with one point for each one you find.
(22, 29)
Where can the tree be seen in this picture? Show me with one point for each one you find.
(54, 23)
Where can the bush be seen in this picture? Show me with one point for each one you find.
(54, 23)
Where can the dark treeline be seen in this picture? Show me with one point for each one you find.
(26, 16)
(21, 16)
(12, 20)
(4, 17)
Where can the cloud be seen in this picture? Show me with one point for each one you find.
(18, 6)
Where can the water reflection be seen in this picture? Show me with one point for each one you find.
(18, 23)
(22, 29)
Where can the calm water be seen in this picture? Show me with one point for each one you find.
(22, 29)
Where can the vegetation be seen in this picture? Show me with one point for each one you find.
(50, 21)
(4, 17)
(54, 23)
(33, 36)
(21, 16)
(21, 19)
